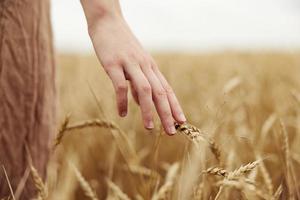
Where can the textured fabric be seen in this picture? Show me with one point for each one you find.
(27, 91)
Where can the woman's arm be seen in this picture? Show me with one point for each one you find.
(123, 58)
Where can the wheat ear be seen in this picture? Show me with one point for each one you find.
(216, 171)
(42, 191)
(196, 135)
(243, 170)
(61, 131)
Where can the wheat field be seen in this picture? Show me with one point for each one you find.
(241, 142)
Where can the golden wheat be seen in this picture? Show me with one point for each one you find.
(9, 185)
(166, 188)
(236, 97)
(196, 135)
(216, 171)
(242, 170)
(61, 131)
(85, 186)
(42, 191)
(116, 191)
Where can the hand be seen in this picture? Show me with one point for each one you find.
(124, 59)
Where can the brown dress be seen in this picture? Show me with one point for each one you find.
(27, 90)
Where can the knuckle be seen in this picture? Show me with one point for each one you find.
(166, 114)
(154, 65)
(169, 90)
(147, 114)
(132, 56)
(145, 62)
(112, 62)
(146, 89)
(161, 93)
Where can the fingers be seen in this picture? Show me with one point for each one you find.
(116, 74)
(174, 104)
(161, 102)
(144, 93)
(134, 94)
(148, 85)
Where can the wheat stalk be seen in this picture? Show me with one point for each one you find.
(266, 176)
(85, 186)
(117, 190)
(137, 169)
(232, 84)
(296, 157)
(8, 182)
(88, 123)
(168, 184)
(291, 180)
(104, 124)
(198, 191)
(278, 192)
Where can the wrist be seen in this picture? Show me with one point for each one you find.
(99, 10)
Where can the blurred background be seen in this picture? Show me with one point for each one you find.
(193, 25)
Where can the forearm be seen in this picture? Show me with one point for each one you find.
(96, 10)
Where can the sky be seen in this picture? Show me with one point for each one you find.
(190, 25)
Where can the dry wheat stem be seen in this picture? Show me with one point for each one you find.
(88, 123)
(232, 84)
(138, 197)
(278, 192)
(198, 191)
(296, 157)
(8, 182)
(296, 96)
(166, 188)
(117, 190)
(22, 183)
(266, 176)
(137, 169)
(289, 167)
(85, 186)
(128, 150)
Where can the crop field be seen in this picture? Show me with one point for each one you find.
(242, 140)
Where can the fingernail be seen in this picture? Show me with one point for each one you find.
(150, 125)
(123, 113)
(182, 117)
(172, 130)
